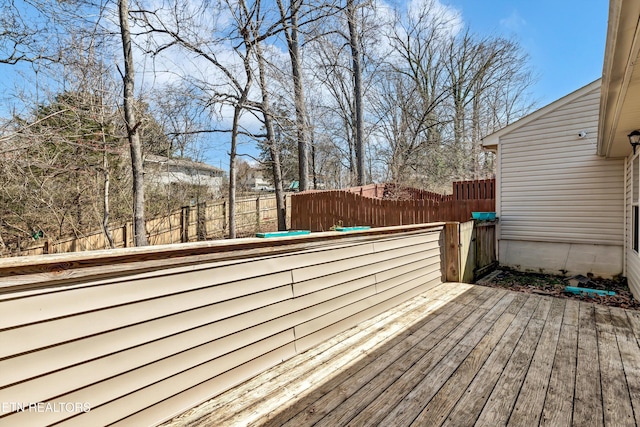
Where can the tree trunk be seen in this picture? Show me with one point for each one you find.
(232, 172)
(105, 199)
(293, 43)
(140, 234)
(354, 44)
(274, 152)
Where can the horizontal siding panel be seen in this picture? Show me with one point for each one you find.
(32, 337)
(567, 209)
(567, 183)
(66, 303)
(385, 245)
(46, 387)
(147, 395)
(158, 343)
(320, 270)
(560, 221)
(556, 151)
(527, 164)
(564, 121)
(562, 237)
(429, 260)
(553, 186)
(426, 275)
(312, 285)
(200, 393)
(578, 193)
(396, 285)
(594, 170)
(374, 305)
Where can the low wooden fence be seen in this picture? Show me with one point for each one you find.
(135, 336)
(323, 210)
(204, 221)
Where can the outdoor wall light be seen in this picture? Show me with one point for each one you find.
(634, 139)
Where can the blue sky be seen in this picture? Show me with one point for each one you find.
(564, 38)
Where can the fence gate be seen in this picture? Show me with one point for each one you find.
(477, 249)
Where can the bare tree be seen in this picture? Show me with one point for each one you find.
(356, 73)
(291, 31)
(140, 234)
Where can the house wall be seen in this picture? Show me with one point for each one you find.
(561, 206)
(632, 259)
(140, 335)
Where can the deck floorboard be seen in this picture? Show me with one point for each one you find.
(456, 355)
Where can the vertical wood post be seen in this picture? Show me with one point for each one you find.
(127, 234)
(452, 251)
(224, 218)
(258, 213)
(201, 226)
(184, 224)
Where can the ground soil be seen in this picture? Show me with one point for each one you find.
(544, 284)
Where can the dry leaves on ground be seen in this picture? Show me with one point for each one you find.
(545, 284)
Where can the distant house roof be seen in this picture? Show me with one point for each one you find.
(491, 141)
(182, 163)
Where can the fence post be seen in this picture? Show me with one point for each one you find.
(45, 248)
(184, 224)
(224, 218)
(258, 213)
(452, 251)
(201, 225)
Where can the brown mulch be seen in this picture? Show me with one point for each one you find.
(545, 284)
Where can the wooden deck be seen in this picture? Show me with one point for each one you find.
(457, 355)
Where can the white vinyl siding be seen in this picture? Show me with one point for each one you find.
(632, 259)
(129, 338)
(553, 186)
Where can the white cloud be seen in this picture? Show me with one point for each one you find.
(448, 17)
(513, 22)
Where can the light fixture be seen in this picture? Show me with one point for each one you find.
(634, 139)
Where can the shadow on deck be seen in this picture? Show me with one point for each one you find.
(455, 355)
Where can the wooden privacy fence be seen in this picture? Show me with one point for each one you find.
(322, 210)
(204, 221)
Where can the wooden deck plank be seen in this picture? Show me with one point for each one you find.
(469, 406)
(558, 405)
(630, 354)
(333, 353)
(435, 412)
(571, 313)
(423, 338)
(498, 408)
(587, 404)
(530, 402)
(455, 357)
(616, 401)
(345, 359)
(333, 393)
(485, 335)
(383, 393)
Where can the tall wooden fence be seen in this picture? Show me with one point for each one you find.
(322, 210)
(205, 221)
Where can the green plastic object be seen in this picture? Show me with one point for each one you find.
(587, 291)
(283, 233)
(356, 228)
